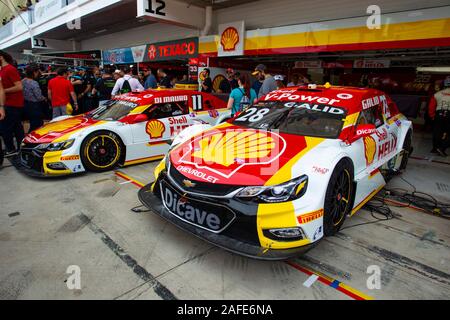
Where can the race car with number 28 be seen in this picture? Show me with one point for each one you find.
(274, 180)
(130, 129)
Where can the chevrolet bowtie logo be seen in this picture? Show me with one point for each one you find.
(189, 184)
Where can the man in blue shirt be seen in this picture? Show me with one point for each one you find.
(150, 80)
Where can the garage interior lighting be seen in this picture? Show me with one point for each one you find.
(434, 69)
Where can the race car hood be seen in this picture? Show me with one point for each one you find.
(234, 155)
(55, 130)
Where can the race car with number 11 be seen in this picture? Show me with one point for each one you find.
(130, 129)
(273, 181)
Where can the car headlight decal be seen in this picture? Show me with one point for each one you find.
(288, 191)
(56, 146)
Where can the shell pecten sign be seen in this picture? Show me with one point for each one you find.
(227, 148)
(232, 37)
(229, 39)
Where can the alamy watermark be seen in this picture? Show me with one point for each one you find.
(374, 280)
(74, 280)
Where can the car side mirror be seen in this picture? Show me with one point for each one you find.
(135, 118)
(140, 118)
(364, 130)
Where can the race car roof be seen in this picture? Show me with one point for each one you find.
(350, 98)
(148, 97)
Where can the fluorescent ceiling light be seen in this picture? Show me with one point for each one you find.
(434, 69)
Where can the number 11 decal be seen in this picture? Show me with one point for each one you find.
(197, 102)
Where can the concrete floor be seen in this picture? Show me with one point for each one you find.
(48, 225)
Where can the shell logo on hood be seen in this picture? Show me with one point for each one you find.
(229, 39)
(225, 152)
(370, 148)
(226, 148)
(155, 129)
(59, 126)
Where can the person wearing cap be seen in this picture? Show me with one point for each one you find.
(228, 84)
(279, 79)
(439, 111)
(127, 83)
(269, 83)
(150, 80)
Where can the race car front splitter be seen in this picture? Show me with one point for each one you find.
(220, 239)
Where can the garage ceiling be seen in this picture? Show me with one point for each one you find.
(217, 4)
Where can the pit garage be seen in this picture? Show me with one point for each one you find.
(396, 247)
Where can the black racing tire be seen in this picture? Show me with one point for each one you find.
(407, 148)
(339, 197)
(101, 151)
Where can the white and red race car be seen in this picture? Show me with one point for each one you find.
(283, 174)
(130, 129)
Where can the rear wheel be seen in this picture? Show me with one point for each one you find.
(101, 151)
(338, 198)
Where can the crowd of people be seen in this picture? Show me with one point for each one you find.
(37, 94)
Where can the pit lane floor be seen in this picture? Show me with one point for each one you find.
(48, 225)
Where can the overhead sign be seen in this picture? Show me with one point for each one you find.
(138, 53)
(372, 64)
(81, 55)
(232, 39)
(316, 64)
(173, 12)
(46, 9)
(172, 50)
(118, 56)
(50, 44)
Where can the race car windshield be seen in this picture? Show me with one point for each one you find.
(113, 110)
(305, 119)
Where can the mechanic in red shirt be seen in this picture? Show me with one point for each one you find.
(11, 126)
(60, 89)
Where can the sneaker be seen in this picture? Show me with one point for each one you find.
(442, 153)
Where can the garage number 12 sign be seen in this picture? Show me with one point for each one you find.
(172, 12)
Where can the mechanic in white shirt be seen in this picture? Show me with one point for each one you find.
(133, 84)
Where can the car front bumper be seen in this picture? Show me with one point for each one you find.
(151, 201)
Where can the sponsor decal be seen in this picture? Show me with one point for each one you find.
(225, 152)
(318, 233)
(373, 101)
(197, 174)
(320, 170)
(286, 95)
(175, 121)
(383, 135)
(387, 147)
(213, 113)
(155, 129)
(229, 39)
(306, 218)
(190, 212)
(315, 107)
(370, 148)
(188, 183)
(175, 130)
(171, 99)
(70, 158)
(344, 96)
(362, 132)
(172, 50)
(60, 126)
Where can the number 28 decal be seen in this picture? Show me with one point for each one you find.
(253, 115)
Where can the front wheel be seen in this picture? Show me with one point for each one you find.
(338, 198)
(101, 151)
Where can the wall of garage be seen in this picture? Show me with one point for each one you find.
(271, 13)
(259, 14)
(142, 35)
